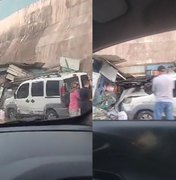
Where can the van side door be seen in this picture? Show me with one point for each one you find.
(37, 99)
(22, 99)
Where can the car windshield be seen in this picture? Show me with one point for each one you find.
(45, 60)
(125, 74)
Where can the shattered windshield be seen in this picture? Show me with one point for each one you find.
(45, 64)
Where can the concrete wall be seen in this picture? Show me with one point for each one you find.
(47, 30)
(153, 49)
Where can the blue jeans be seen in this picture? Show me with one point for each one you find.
(166, 107)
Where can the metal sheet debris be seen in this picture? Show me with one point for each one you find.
(69, 63)
(109, 72)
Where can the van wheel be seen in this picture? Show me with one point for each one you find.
(144, 115)
(51, 114)
(12, 115)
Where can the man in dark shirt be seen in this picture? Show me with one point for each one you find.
(85, 98)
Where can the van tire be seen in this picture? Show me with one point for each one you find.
(12, 114)
(51, 114)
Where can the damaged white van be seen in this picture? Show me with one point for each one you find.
(41, 97)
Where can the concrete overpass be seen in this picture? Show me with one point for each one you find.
(46, 30)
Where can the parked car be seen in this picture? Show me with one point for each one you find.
(41, 97)
(141, 106)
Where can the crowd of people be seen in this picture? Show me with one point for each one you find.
(77, 100)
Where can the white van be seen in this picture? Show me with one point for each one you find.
(41, 97)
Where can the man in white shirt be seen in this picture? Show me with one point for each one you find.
(162, 88)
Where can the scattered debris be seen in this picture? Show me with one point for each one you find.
(14, 71)
(112, 86)
(99, 114)
(69, 64)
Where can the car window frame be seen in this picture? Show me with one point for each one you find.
(42, 89)
(19, 90)
(58, 89)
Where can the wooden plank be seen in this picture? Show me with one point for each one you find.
(11, 72)
(20, 72)
(16, 68)
(15, 73)
(10, 77)
(133, 69)
(10, 69)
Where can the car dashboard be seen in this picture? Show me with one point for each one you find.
(46, 152)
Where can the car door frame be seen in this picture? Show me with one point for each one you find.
(23, 103)
(37, 103)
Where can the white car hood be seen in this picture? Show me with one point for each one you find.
(130, 93)
(142, 99)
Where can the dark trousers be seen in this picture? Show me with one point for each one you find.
(85, 106)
